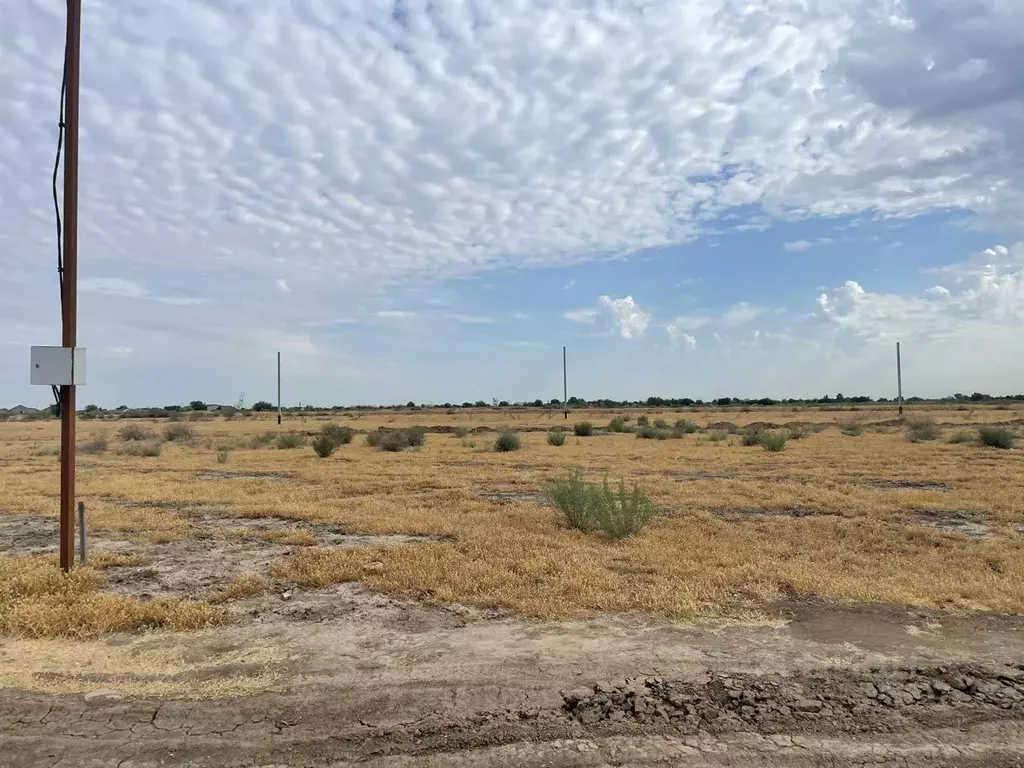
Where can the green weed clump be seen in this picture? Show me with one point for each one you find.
(179, 432)
(507, 441)
(583, 429)
(650, 432)
(148, 448)
(288, 441)
(556, 438)
(589, 506)
(642, 420)
(996, 437)
(959, 438)
(922, 429)
(686, 427)
(752, 437)
(851, 429)
(135, 432)
(324, 446)
(618, 424)
(395, 440)
(773, 441)
(337, 434)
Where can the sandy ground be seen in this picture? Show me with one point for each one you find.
(362, 678)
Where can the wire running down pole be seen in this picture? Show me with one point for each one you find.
(69, 284)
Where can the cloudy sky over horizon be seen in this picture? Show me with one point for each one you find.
(424, 201)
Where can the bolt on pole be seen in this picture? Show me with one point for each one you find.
(69, 284)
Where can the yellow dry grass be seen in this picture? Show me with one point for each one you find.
(692, 561)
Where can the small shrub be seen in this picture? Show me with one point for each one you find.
(222, 455)
(261, 441)
(583, 429)
(652, 433)
(660, 424)
(588, 506)
(718, 435)
(324, 446)
(288, 441)
(556, 438)
(469, 444)
(686, 427)
(461, 432)
(773, 441)
(94, 447)
(394, 440)
(337, 435)
(507, 441)
(797, 433)
(140, 448)
(752, 437)
(48, 451)
(180, 433)
(851, 429)
(618, 424)
(958, 438)
(922, 429)
(642, 420)
(996, 437)
(135, 432)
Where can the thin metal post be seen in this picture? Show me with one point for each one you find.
(899, 378)
(565, 386)
(278, 387)
(83, 554)
(69, 282)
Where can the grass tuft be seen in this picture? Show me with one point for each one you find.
(135, 432)
(180, 433)
(653, 433)
(323, 446)
(773, 441)
(752, 437)
(337, 434)
(996, 437)
(686, 427)
(589, 506)
(921, 429)
(618, 424)
(961, 437)
(556, 438)
(95, 447)
(148, 448)
(288, 441)
(507, 441)
(394, 440)
(583, 429)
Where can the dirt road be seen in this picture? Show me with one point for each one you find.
(376, 681)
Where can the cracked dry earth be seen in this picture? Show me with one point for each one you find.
(373, 681)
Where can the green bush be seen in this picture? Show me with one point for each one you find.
(773, 441)
(588, 506)
(996, 437)
(686, 427)
(660, 424)
(337, 435)
(288, 441)
(324, 446)
(618, 424)
(583, 429)
(922, 429)
(642, 420)
(180, 433)
(94, 447)
(652, 433)
(394, 440)
(507, 441)
(752, 437)
(556, 438)
(851, 429)
(135, 432)
(53, 450)
(150, 448)
(961, 437)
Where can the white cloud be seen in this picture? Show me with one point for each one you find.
(582, 315)
(740, 314)
(470, 319)
(283, 285)
(395, 314)
(131, 289)
(805, 245)
(627, 318)
(679, 337)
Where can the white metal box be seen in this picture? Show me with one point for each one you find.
(58, 366)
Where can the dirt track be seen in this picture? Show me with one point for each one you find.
(403, 684)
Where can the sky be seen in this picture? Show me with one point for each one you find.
(425, 201)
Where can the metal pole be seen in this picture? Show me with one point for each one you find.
(70, 283)
(565, 387)
(899, 378)
(82, 551)
(278, 387)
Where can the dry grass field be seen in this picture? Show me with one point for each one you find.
(853, 511)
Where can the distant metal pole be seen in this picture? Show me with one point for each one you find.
(899, 378)
(69, 281)
(82, 551)
(278, 387)
(565, 386)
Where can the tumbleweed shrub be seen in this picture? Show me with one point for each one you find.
(148, 448)
(394, 440)
(618, 424)
(135, 432)
(996, 437)
(773, 441)
(583, 429)
(686, 427)
(920, 429)
(288, 441)
(94, 447)
(962, 437)
(507, 441)
(643, 420)
(179, 432)
(39, 600)
(337, 434)
(556, 438)
(653, 433)
(591, 506)
(323, 446)
(751, 437)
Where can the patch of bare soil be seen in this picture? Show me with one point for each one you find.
(274, 477)
(747, 512)
(955, 521)
(509, 497)
(922, 485)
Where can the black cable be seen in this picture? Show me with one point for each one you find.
(56, 199)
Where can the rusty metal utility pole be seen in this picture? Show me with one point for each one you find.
(565, 387)
(278, 387)
(899, 379)
(69, 283)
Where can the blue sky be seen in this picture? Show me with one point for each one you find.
(426, 202)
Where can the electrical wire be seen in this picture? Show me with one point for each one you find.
(56, 199)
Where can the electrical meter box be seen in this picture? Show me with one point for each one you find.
(58, 366)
